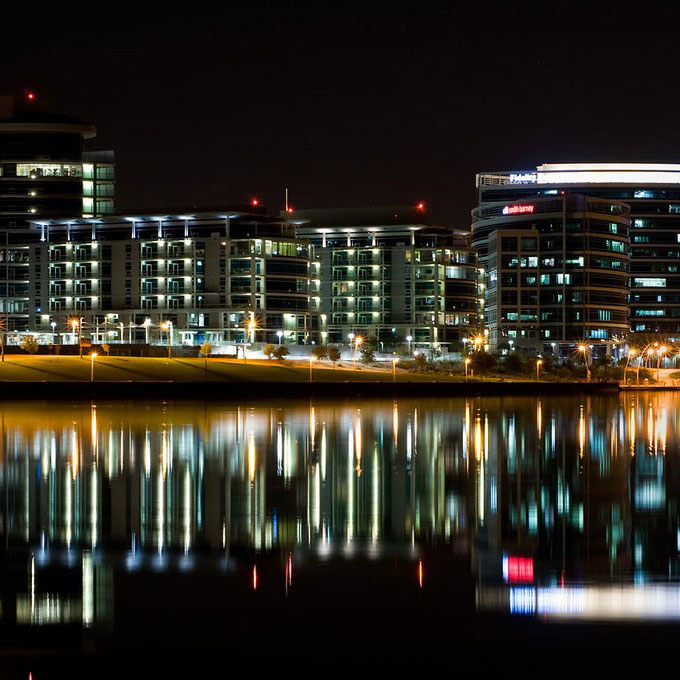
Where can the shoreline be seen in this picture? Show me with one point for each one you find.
(200, 390)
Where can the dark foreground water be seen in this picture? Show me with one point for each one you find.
(516, 535)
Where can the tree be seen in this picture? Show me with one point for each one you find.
(29, 344)
(334, 355)
(421, 361)
(105, 349)
(320, 352)
(268, 350)
(281, 352)
(205, 351)
(367, 349)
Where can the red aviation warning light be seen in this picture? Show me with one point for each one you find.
(30, 96)
(255, 202)
(420, 206)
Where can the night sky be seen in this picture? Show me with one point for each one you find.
(351, 107)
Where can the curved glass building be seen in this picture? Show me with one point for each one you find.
(652, 191)
(556, 272)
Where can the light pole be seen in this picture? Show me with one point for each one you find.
(631, 353)
(76, 332)
(467, 363)
(538, 369)
(93, 356)
(312, 359)
(279, 335)
(584, 349)
(54, 334)
(357, 341)
(147, 323)
(395, 361)
(408, 339)
(166, 326)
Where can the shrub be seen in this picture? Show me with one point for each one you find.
(29, 344)
(281, 353)
(105, 349)
(269, 350)
(206, 349)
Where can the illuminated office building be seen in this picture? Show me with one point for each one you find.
(232, 276)
(653, 193)
(44, 173)
(556, 272)
(386, 273)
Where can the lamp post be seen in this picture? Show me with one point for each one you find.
(538, 369)
(584, 349)
(93, 356)
(408, 339)
(312, 359)
(167, 326)
(631, 353)
(395, 361)
(279, 335)
(251, 328)
(76, 332)
(54, 334)
(357, 341)
(467, 363)
(147, 323)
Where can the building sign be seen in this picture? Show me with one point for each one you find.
(518, 209)
(523, 178)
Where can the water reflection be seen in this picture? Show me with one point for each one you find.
(586, 488)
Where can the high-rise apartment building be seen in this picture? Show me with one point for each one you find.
(228, 276)
(651, 190)
(387, 273)
(44, 173)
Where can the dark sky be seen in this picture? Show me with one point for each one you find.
(351, 107)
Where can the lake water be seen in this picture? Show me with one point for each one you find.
(298, 533)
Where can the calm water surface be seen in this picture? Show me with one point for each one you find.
(294, 533)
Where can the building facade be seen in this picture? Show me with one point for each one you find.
(44, 173)
(386, 273)
(556, 272)
(653, 193)
(221, 277)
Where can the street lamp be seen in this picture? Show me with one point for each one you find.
(395, 361)
(93, 356)
(538, 368)
(54, 325)
(76, 332)
(357, 341)
(252, 324)
(408, 339)
(312, 359)
(279, 334)
(167, 326)
(584, 349)
(467, 363)
(147, 323)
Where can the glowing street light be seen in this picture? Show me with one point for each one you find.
(539, 362)
(661, 351)
(167, 326)
(252, 325)
(312, 359)
(395, 361)
(357, 341)
(584, 350)
(467, 363)
(93, 356)
(279, 335)
(408, 339)
(147, 323)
